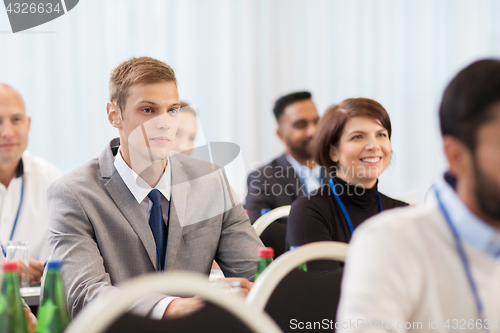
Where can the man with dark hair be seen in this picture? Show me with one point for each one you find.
(294, 173)
(436, 268)
(138, 209)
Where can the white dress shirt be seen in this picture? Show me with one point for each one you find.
(140, 190)
(471, 228)
(310, 178)
(403, 269)
(32, 223)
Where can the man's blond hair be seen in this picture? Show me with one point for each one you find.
(136, 71)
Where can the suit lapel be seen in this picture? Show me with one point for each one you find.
(126, 203)
(178, 203)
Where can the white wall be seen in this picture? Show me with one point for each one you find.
(234, 58)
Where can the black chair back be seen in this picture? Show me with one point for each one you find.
(306, 297)
(274, 236)
(210, 318)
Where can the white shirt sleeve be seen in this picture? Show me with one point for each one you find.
(376, 291)
(160, 307)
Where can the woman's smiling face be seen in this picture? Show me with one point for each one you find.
(363, 151)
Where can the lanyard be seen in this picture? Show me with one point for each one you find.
(342, 207)
(463, 258)
(17, 215)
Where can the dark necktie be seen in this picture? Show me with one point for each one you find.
(158, 227)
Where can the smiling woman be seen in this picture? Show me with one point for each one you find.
(353, 141)
(353, 144)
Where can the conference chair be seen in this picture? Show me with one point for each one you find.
(223, 313)
(273, 234)
(291, 296)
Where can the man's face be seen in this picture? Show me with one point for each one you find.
(149, 122)
(14, 127)
(297, 126)
(486, 166)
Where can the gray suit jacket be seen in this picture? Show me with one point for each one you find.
(101, 234)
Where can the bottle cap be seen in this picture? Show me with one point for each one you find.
(264, 211)
(54, 264)
(293, 247)
(266, 252)
(10, 266)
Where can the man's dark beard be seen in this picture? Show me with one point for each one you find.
(487, 193)
(303, 149)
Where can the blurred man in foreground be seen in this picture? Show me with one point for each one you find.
(437, 268)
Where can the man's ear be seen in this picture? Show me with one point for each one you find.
(114, 115)
(279, 132)
(458, 155)
(334, 155)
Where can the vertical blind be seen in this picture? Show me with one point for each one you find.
(234, 58)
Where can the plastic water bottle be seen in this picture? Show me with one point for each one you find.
(53, 315)
(12, 319)
(266, 255)
(302, 266)
(264, 211)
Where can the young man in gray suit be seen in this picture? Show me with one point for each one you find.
(137, 209)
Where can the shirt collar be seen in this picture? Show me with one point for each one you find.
(302, 170)
(470, 228)
(139, 188)
(20, 168)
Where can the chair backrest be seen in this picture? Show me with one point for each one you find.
(265, 220)
(105, 310)
(273, 234)
(288, 294)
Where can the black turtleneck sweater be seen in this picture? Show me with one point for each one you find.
(318, 217)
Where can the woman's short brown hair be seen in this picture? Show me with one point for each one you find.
(331, 126)
(135, 71)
